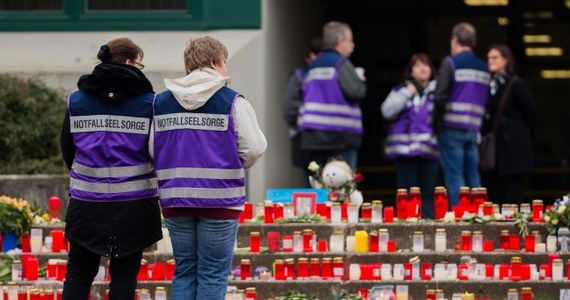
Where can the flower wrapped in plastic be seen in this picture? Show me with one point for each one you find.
(558, 215)
(16, 215)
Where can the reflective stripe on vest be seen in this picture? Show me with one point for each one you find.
(465, 107)
(112, 171)
(408, 149)
(412, 137)
(200, 173)
(471, 75)
(464, 119)
(203, 193)
(122, 187)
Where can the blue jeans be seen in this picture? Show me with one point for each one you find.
(459, 160)
(421, 172)
(203, 250)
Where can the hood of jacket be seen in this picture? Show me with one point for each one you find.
(114, 82)
(196, 88)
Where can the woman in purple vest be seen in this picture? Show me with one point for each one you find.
(515, 134)
(113, 210)
(411, 142)
(204, 137)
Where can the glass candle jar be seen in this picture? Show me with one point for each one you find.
(504, 239)
(529, 243)
(336, 213)
(551, 243)
(516, 268)
(307, 240)
(337, 241)
(402, 204)
(250, 293)
(464, 196)
(477, 241)
(466, 240)
(537, 208)
(315, 267)
(366, 212)
(159, 293)
(441, 202)
(297, 241)
(415, 203)
(418, 241)
(245, 268)
(513, 294)
(350, 243)
(525, 207)
(326, 268)
(338, 268)
(383, 238)
(376, 211)
(287, 243)
(373, 241)
(268, 211)
(488, 209)
(557, 269)
(303, 267)
(279, 269)
(254, 241)
(430, 294)
(352, 213)
(290, 268)
(526, 293)
(440, 240)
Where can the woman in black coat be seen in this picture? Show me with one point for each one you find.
(515, 133)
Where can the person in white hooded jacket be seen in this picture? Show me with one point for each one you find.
(204, 136)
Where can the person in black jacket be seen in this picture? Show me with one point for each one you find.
(113, 211)
(515, 133)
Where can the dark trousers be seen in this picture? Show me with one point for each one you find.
(504, 189)
(83, 266)
(420, 172)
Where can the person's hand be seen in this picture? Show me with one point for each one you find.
(412, 88)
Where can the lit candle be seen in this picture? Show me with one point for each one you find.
(466, 240)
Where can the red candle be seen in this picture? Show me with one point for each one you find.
(464, 196)
(323, 210)
(245, 268)
(22, 295)
(26, 246)
(488, 209)
(516, 268)
(307, 240)
(388, 214)
(273, 239)
(322, 246)
(326, 268)
(24, 259)
(158, 271)
(402, 204)
(363, 293)
(568, 269)
(250, 293)
(391, 246)
(248, 211)
(462, 271)
(57, 240)
(374, 242)
(344, 211)
(488, 245)
(489, 270)
(407, 271)
(315, 267)
(514, 242)
(254, 241)
(278, 211)
(426, 271)
(505, 240)
(170, 268)
(545, 271)
(268, 215)
(279, 269)
(366, 212)
(52, 268)
(61, 269)
(303, 267)
(32, 266)
(529, 243)
(35, 295)
(466, 240)
(59, 294)
(537, 207)
(290, 268)
(415, 203)
(441, 202)
(338, 268)
(143, 271)
(525, 271)
(287, 243)
(54, 206)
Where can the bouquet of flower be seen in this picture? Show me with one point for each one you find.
(16, 215)
(558, 215)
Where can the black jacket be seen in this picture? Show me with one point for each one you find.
(514, 141)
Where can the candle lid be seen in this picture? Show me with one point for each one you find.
(296, 233)
(144, 262)
(289, 260)
(160, 288)
(439, 291)
(278, 261)
(366, 205)
(418, 233)
(48, 292)
(536, 201)
(557, 261)
(526, 290)
(483, 189)
(516, 259)
(245, 261)
(513, 290)
(337, 259)
(376, 202)
(505, 232)
(401, 191)
(464, 189)
(474, 190)
(440, 230)
(526, 205)
(465, 232)
(439, 188)
(315, 260)
(383, 230)
(373, 232)
(414, 260)
(326, 259)
(254, 233)
(250, 290)
(268, 203)
(415, 189)
(303, 260)
(307, 231)
(477, 232)
(170, 262)
(430, 292)
(535, 232)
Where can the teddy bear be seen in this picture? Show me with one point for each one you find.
(339, 179)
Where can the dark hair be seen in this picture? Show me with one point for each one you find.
(316, 45)
(119, 51)
(465, 34)
(507, 54)
(421, 57)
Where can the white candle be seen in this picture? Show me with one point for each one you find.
(551, 241)
(350, 243)
(36, 238)
(401, 292)
(398, 272)
(440, 240)
(336, 213)
(540, 248)
(352, 214)
(386, 271)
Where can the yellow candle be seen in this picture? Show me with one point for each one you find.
(361, 241)
(468, 296)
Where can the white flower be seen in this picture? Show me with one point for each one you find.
(554, 222)
(565, 199)
(449, 217)
(313, 166)
(498, 216)
(547, 218)
(561, 209)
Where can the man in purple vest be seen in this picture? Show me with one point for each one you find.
(204, 136)
(460, 97)
(330, 119)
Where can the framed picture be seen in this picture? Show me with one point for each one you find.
(304, 203)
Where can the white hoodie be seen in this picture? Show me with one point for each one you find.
(194, 90)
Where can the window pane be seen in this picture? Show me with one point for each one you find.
(22, 5)
(136, 4)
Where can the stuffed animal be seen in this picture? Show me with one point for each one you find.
(338, 178)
